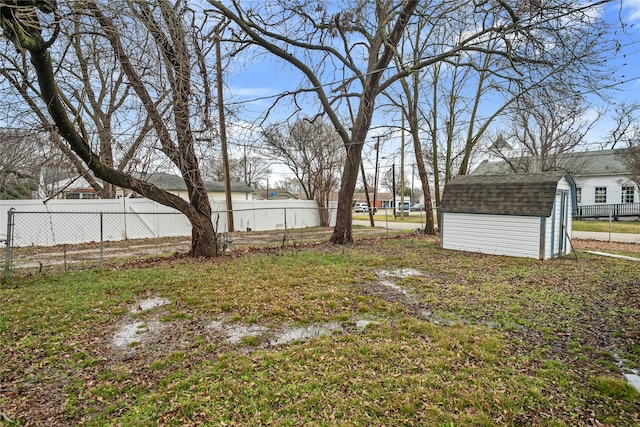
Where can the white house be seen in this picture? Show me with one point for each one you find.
(602, 179)
(524, 215)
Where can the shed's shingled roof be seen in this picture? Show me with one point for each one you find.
(512, 194)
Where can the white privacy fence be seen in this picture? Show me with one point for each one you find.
(58, 222)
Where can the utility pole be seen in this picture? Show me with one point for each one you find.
(366, 194)
(413, 175)
(246, 182)
(393, 185)
(402, 168)
(223, 136)
(375, 177)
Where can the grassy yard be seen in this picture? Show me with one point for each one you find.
(388, 331)
(383, 215)
(603, 226)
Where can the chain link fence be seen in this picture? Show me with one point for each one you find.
(37, 240)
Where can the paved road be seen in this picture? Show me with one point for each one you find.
(581, 235)
(613, 237)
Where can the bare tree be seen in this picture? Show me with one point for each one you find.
(451, 105)
(626, 129)
(312, 151)
(546, 125)
(290, 184)
(250, 170)
(323, 40)
(632, 158)
(19, 168)
(387, 182)
(98, 97)
(33, 27)
(625, 134)
(344, 51)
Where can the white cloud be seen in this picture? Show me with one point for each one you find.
(631, 9)
(252, 92)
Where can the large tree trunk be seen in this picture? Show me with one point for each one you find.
(342, 231)
(378, 61)
(429, 227)
(203, 236)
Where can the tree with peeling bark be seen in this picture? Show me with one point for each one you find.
(344, 51)
(34, 27)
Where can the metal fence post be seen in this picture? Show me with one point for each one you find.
(101, 240)
(286, 231)
(285, 219)
(9, 243)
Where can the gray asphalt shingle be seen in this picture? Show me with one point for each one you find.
(511, 194)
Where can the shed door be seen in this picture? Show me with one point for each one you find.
(563, 223)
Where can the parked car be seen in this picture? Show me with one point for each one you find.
(417, 207)
(363, 207)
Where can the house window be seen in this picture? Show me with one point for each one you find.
(578, 195)
(628, 194)
(76, 196)
(601, 195)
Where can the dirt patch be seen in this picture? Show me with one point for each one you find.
(602, 246)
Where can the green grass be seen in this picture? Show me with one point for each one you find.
(383, 215)
(508, 341)
(603, 226)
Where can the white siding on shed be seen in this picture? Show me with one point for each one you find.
(492, 234)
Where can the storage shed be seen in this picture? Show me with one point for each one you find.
(524, 215)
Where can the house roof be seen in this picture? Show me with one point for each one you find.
(511, 194)
(578, 164)
(280, 194)
(380, 195)
(163, 180)
(171, 182)
(53, 175)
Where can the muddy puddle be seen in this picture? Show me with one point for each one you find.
(305, 333)
(362, 324)
(235, 333)
(132, 331)
(136, 332)
(148, 304)
(386, 280)
(388, 289)
(400, 273)
(631, 375)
